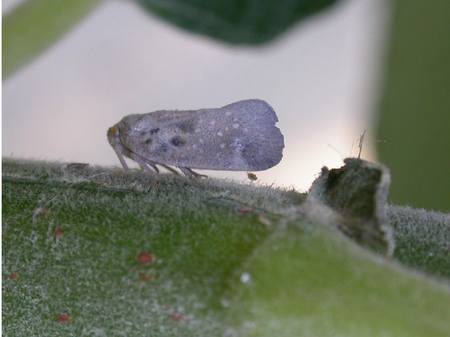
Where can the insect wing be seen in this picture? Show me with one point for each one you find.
(243, 136)
(239, 136)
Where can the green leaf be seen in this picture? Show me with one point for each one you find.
(415, 105)
(237, 21)
(422, 239)
(225, 259)
(35, 25)
(309, 283)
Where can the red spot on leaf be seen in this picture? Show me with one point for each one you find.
(146, 258)
(64, 318)
(14, 276)
(177, 318)
(43, 210)
(58, 233)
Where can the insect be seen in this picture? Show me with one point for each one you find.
(237, 137)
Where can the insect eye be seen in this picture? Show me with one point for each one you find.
(113, 131)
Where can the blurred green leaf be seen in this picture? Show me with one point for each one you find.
(236, 21)
(415, 107)
(35, 25)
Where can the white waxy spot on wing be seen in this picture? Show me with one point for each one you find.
(213, 122)
(235, 126)
(222, 146)
(220, 134)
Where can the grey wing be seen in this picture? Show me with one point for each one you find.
(240, 137)
(263, 142)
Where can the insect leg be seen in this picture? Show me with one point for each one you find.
(119, 152)
(168, 168)
(154, 167)
(191, 174)
(145, 166)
